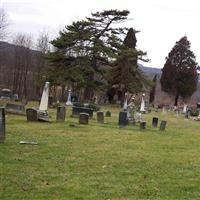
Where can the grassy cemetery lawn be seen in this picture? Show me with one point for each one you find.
(100, 161)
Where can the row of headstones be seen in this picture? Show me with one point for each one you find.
(123, 122)
(84, 118)
(32, 114)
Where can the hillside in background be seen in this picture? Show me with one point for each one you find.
(17, 63)
(150, 71)
(20, 68)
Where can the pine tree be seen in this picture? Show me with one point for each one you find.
(179, 74)
(84, 46)
(125, 72)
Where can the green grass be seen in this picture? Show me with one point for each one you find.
(100, 161)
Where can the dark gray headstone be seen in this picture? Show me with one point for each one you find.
(31, 114)
(100, 117)
(143, 125)
(108, 114)
(163, 125)
(155, 122)
(61, 110)
(83, 118)
(2, 125)
(77, 110)
(187, 114)
(123, 119)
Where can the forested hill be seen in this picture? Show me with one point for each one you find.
(7, 49)
(150, 71)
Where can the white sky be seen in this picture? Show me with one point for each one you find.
(161, 22)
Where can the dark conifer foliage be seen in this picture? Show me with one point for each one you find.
(83, 47)
(152, 91)
(125, 72)
(179, 74)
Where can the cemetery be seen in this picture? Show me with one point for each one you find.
(61, 156)
(81, 118)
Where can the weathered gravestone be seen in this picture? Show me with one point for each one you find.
(61, 113)
(15, 109)
(42, 112)
(77, 110)
(100, 117)
(143, 125)
(31, 114)
(69, 98)
(163, 125)
(2, 125)
(155, 122)
(83, 118)
(123, 119)
(142, 106)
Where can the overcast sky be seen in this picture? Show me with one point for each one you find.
(161, 22)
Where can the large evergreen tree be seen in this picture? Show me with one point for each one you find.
(125, 72)
(83, 47)
(179, 74)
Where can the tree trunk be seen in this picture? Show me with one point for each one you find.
(176, 100)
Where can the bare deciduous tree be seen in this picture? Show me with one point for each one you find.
(4, 23)
(43, 47)
(22, 63)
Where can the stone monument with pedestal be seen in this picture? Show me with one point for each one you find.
(69, 102)
(42, 111)
(142, 107)
(40, 114)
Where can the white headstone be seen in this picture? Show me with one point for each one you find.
(45, 98)
(125, 104)
(142, 107)
(69, 102)
(184, 108)
(164, 111)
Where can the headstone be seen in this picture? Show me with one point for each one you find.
(131, 111)
(142, 107)
(42, 112)
(155, 122)
(69, 98)
(122, 119)
(100, 117)
(31, 114)
(142, 125)
(2, 125)
(108, 114)
(77, 110)
(15, 109)
(163, 125)
(188, 113)
(125, 102)
(61, 112)
(83, 118)
(164, 111)
(184, 109)
(45, 97)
